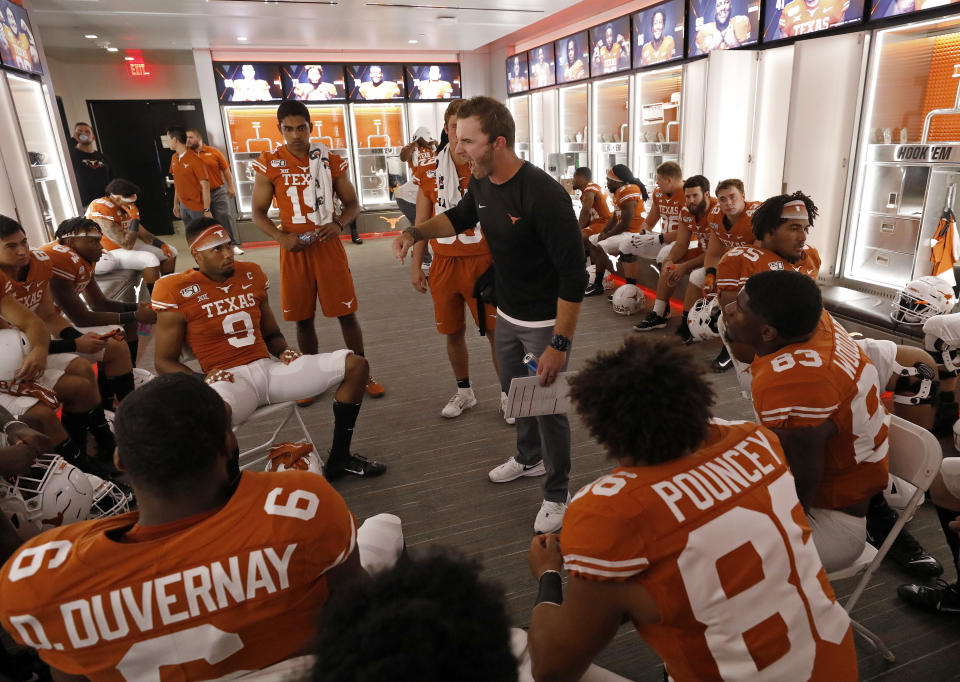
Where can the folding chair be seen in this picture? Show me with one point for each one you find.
(255, 455)
(914, 456)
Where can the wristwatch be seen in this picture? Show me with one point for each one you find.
(560, 342)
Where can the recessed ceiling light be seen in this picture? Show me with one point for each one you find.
(113, 49)
(242, 38)
(129, 59)
(413, 41)
(91, 36)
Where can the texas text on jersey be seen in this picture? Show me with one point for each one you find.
(800, 17)
(68, 265)
(223, 318)
(114, 601)
(679, 529)
(293, 187)
(29, 290)
(740, 263)
(669, 206)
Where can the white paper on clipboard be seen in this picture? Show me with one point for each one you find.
(527, 398)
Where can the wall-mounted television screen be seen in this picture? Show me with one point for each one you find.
(372, 82)
(247, 82)
(542, 67)
(433, 81)
(721, 25)
(792, 18)
(517, 74)
(314, 82)
(881, 9)
(658, 34)
(17, 46)
(573, 57)
(610, 47)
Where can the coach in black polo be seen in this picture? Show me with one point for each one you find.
(534, 237)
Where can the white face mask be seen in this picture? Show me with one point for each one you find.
(83, 138)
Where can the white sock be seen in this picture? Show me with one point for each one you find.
(465, 391)
(660, 307)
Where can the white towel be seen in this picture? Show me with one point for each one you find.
(448, 182)
(321, 185)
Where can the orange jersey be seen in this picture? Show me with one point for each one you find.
(720, 541)
(106, 209)
(215, 163)
(518, 83)
(429, 178)
(651, 54)
(384, 90)
(623, 195)
(19, 48)
(600, 210)
(610, 58)
(312, 92)
(293, 187)
(829, 377)
(29, 291)
(68, 265)
(223, 318)
(235, 590)
(740, 263)
(798, 17)
(670, 206)
(435, 90)
(738, 234)
(188, 171)
(734, 34)
(698, 226)
(574, 71)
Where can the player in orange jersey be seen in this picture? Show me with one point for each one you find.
(697, 536)
(659, 48)
(574, 69)
(458, 262)
(609, 53)
(18, 42)
(818, 391)
(809, 16)
(377, 88)
(629, 195)
(221, 312)
(724, 32)
(516, 78)
(434, 87)
(315, 89)
(313, 263)
(594, 210)
(214, 576)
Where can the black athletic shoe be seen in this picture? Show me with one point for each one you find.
(938, 598)
(355, 465)
(683, 331)
(722, 362)
(650, 322)
(356, 239)
(594, 289)
(909, 555)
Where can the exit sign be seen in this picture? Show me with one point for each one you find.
(138, 69)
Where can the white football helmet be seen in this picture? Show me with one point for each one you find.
(950, 470)
(703, 319)
(141, 377)
(921, 299)
(108, 499)
(298, 456)
(941, 338)
(13, 348)
(645, 245)
(628, 300)
(53, 493)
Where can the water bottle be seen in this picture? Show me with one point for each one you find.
(530, 360)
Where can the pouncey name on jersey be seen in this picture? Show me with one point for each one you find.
(718, 538)
(223, 318)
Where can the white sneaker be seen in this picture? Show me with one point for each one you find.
(237, 251)
(462, 400)
(503, 409)
(550, 516)
(511, 470)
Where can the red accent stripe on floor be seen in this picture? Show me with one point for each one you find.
(650, 293)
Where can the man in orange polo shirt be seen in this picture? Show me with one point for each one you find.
(221, 184)
(191, 182)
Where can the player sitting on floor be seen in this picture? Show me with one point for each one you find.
(221, 312)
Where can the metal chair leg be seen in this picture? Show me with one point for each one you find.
(874, 640)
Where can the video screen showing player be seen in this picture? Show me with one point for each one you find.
(573, 58)
(17, 46)
(517, 80)
(314, 82)
(791, 18)
(891, 8)
(542, 66)
(610, 47)
(433, 81)
(658, 34)
(375, 82)
(721, 25)
(247, 82)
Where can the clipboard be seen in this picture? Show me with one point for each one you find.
(527, 398)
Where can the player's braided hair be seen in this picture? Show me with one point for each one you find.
(766, 219)
(620, 393)
(627, 176)
(788, 301)
(72, 225)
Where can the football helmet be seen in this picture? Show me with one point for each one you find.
(703, 319)
(53, 493)
(13, 348)
(108, 499)
(628, 300)
(941, 338)
(950, 470)
(645, 245)
(921, 299)
(298, 456)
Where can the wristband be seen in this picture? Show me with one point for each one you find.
(70, 333)
(550, 589)
(14, 421)
(62, 346)
(156, 242)
(126, 317)
(415, 233)
(711, 271)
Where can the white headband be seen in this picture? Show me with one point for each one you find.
(794, 210)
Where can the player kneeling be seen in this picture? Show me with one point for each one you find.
(220, 311)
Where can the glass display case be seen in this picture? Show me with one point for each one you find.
(428, 115)
(520, 109)
(543, 131)
(252, 130)
(574, 130)
(611, 124)
(908, 158)
(378, 138)
(657, 120)
(47, 167)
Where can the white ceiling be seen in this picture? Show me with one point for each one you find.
(352, 25)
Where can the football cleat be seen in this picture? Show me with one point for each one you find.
(354, 465)
(650, 322)
(374, 388)
(940, 597)
(593, 289)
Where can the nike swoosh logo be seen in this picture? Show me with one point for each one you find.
(481, 205)
(247, 286)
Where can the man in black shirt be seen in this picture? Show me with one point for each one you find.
(89, 166)
(528, 220)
